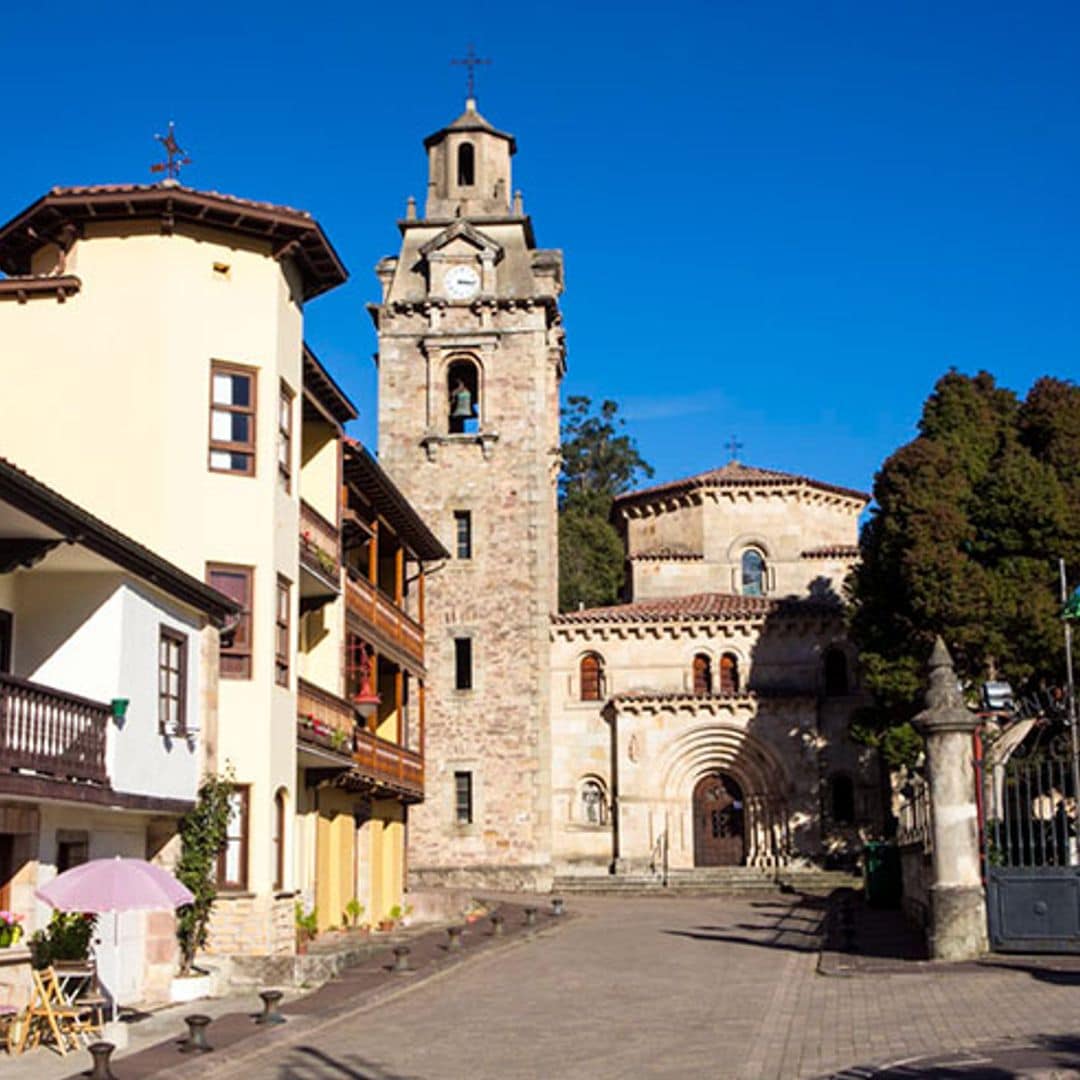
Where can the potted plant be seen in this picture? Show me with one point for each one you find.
(10, 929)
(389, 921)
(307, 927)
(351, 916)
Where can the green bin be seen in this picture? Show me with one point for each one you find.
(881, 874)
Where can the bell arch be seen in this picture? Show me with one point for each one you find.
(464, 393)
(760, 774)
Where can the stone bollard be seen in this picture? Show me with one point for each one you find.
(496, 925)
(557, 906)
(957, 899)
(270, 1013)
(401, 958)
(454, 934)
(196, 1041)
(101, 1052)
(530, 916)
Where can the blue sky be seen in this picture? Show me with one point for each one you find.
(780, 220)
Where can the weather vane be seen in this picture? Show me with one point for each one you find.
(176, 157)
(471, 61)
(734, 446)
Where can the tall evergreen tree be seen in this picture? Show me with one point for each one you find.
(599, 461)
(969, 522)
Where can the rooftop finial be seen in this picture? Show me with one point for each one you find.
(470, 61)
(176, 158)
(733, 447)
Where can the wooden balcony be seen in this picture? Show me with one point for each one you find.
(391, 629)
(369, 763)
(320, 549)
(51, 733)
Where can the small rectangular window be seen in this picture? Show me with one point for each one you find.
(172, 680)
(463, 533)
(232, 865)
(281, 638)
(236, 582)
(285, 402)
(72, 849)
(232, 419)
(462, 663)
(463, 798)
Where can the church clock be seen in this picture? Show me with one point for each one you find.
(461, 282)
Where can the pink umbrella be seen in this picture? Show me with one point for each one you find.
(115, 885)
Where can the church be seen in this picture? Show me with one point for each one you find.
(701, 724)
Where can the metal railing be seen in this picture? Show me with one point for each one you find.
(50, 732)
(915, 817)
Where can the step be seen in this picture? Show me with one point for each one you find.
(717, 880)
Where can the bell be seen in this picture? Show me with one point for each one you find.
(461, 401)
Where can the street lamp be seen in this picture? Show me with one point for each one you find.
(365, 701)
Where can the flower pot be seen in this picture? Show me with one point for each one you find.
(386, 925)
(186, 988)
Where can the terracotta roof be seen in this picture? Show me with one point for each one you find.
(832, 551)
(721, 606)
(668, 551)
(734, 474)
(58, 215)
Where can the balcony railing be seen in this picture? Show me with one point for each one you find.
(324, 718)
(383, 616)
(389, 765)
(49, 732)
(320, 545)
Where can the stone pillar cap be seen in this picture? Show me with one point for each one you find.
(945, 709)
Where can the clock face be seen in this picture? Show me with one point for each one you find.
(461, 282)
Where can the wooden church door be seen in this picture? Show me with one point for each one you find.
(718, 822)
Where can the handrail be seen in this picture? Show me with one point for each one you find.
(320, 542)
(370, 604)
(49, 731)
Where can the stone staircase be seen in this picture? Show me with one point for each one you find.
(716, 881)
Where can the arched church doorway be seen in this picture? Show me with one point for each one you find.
(719, 822)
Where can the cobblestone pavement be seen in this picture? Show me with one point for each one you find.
(682, 987)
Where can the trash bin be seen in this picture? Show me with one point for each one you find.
(881, 874)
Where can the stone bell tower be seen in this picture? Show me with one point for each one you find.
(470, 357)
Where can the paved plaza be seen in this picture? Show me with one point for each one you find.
(688, 987)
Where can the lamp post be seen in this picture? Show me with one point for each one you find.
(366, 701)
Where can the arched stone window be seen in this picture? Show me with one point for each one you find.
(702, 674)
(466, 165)
(836, 672)
(463, 396)
(592, 802)
(592, 677)
(842, 798)
(753, 573)
(729, 673)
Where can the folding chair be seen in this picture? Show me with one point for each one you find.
(49, 1014)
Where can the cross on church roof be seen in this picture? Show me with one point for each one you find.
(471, 61)
(734, 446)
(176, 158)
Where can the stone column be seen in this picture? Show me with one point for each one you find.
(957, 899)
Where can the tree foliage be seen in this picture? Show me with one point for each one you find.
(599, 461)
(970, 519)
(203, 832)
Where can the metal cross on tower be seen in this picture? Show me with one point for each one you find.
(471, 61)
(733, 447)
(176, 157)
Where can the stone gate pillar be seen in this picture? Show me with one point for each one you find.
(957, 898)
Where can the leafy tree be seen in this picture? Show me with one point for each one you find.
(599, 461)
(203, 832)
(969, 521)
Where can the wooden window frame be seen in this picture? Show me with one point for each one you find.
(282, 630)
(244, 652)
(168, 636)
(592, 682)
(224, 885)
(220, 367)
(463, 518)
(464, 680)
(286, 397)
(469, 791)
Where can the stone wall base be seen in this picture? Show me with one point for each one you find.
(253, 925)
(499, 878)
(957, 922)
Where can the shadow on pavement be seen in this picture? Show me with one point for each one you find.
(309, 1063)
(795, 927)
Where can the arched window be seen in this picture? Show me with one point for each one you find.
(836, 676)
(753, 573)
(279, 838)
(592, 678)
(593, 803)
(702, 674)
(842, 792)
(463, 396)
(729, 673)
(466, 165)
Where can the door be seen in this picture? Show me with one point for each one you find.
(7, 869)
(718, 822)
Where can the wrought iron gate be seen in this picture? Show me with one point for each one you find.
(1032, 858)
